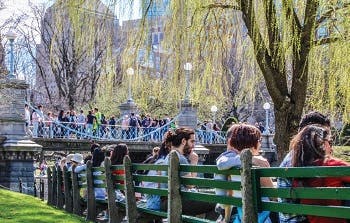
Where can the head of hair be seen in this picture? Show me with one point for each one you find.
(119, 151)
(156, 149)
(97, 157)
(175, 137)
(93, 147)
(87, 158)
(230, 131)
(308, 145)
(244, 136)
(314, 117)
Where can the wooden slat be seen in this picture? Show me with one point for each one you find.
(209, 169)
(151, 178)
(99, 177)
(339, 193)
(303, 172)
(117, 167)
(155, 191)
(149, 167)
(212, 198)
(204, 182)
(326, 211)
(120, 186)
(94, 169)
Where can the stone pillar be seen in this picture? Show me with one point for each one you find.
(268, 148)
(16, 150)
(188, 115)
(128, 107)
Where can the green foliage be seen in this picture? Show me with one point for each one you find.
(30, 210)
(227, 124)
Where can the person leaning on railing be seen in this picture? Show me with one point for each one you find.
(310, 149)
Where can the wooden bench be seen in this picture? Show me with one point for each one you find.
(252, 192)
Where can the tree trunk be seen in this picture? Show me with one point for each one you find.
(286, 124)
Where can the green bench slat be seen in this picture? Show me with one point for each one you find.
(117, 167)
(99, 177)
(191, 219)
(339, 193)
(209, 169)
(155, 191)
(151, 178)
(326, 211)
(118, 177)
(149, 167)
(143, 208)
(94, 169)
(81, 178)
(205, 182)
(102, 185)
(120, 186)
(302, 172)
(211, 198)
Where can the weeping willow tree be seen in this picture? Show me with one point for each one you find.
(302, 68)
(76, 43)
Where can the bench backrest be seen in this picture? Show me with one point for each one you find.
(297, 193)
(250, 202)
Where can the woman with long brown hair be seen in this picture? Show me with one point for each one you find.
(310, 147)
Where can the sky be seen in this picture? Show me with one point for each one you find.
(17, 7)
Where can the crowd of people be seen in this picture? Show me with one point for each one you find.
(69, 124)
(311, 146)
(93, 124)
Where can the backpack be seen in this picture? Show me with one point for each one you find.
(133, 122)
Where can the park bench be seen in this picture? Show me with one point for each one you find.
(252, 192)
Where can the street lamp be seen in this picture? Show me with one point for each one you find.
(267, 107)
(11, 36)
(188, 68)
(130, 73)
(214, 109)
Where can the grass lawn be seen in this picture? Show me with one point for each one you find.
(16, 207)
(342, 152)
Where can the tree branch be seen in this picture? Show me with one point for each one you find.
(277, 83)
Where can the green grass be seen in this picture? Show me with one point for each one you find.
(16, 207)
(342, 152)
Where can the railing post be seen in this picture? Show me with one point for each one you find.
(75, 193)
(91, 203)
(54, 186)
(49, 186)
(67, 190)
(174, 197)
(60, 198)
(20, 185)
(131, 208)
(34, 188)
(249, 211)
(114, 214)
(42, 188)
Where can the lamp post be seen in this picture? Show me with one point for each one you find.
(267, 107)
(214, 109)
(11, 36)
(188, 68)
(130, 73)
